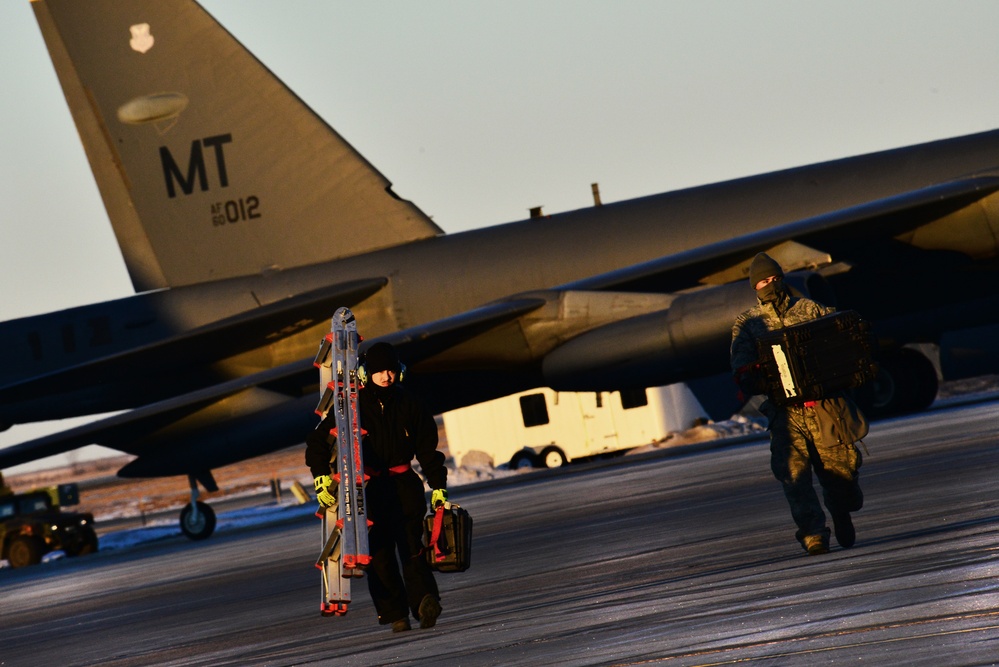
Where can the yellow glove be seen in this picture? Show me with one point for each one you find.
(323, 485)
(438, 497)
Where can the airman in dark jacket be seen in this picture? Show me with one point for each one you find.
(399, 429)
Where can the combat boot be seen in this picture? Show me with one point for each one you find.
(846, 534)
(430, 609)
(815, 545)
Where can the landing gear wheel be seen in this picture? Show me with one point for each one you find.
(553, 457)
(923, 390)
(906, 382)
(200, 525)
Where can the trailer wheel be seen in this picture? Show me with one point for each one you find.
(553, 457)
(523, 460)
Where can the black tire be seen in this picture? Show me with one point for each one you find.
(553, 457)
(199, 529)
(906, 382)
(924, 384)
(523, 459)
(24, 550)
(89, 545)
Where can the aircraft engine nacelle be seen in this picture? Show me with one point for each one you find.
(689, 339)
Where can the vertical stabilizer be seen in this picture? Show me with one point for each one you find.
(208, 165)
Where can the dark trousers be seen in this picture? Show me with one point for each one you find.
(398, 576)
(796, 449)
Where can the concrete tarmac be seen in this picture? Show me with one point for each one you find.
(671, 560)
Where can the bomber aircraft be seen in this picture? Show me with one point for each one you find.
(245, 221)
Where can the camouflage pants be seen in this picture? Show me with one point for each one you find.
(797, 448)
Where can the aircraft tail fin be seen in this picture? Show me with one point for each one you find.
(208, 165)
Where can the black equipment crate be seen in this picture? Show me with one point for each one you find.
(812, 360)
(454, 542)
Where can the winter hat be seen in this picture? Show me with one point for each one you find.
(381, 357)
(762, 268)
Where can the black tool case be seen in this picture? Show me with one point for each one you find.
(815, 359)
(451, 551)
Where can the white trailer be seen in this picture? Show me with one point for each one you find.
(545, 428)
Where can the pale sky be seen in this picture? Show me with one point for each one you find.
(477, 111)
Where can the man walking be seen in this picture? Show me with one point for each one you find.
(803, 437)
(398, 429)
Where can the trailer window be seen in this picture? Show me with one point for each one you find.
(634, 398)
(534, 409)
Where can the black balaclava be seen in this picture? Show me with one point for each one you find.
(763, 267)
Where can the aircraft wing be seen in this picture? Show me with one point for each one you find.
(225, 423)
(204, 344)
(422, 342)
(681, 329)
(729, 260)
(127, 431)
(155, 431)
